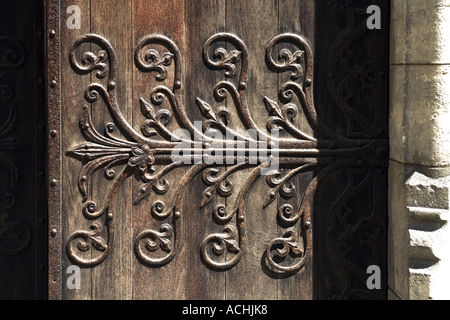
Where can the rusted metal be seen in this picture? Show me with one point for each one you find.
(324, 153)
(54, 147)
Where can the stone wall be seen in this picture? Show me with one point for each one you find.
(419, 171)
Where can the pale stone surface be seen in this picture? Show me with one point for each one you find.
(420, 32)
(420, 286)
(418, 232)
(419, 119)
(427, 192)
(392, 295)
(419, 130)
(398, 235)
(427, 200)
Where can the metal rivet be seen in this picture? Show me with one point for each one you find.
(53, 232)
(53, 183)
(110, 216)
(53, 83)
(307, 224)
(53, 133)
(308, 82)
(178, 85)
(52, 34)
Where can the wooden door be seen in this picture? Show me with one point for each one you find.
(284, 149)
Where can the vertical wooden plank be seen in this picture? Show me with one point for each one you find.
(164, 18)
(72, 102)
(255, 22)
(203, 19)
(296, 16)
(112, 279)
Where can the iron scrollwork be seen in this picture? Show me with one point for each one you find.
(15, 235)
(357, 85)
(142, 152)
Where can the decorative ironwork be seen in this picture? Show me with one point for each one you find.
(140, 152)
(12, 54)
(14, 234)
(355, 75)
(345, 228)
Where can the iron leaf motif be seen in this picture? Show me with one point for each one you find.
(289, 245)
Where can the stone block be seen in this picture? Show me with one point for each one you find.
(427, 201)
(427, 192)
(420, 286)
(419, 32)
(419, 117)
(398, 233)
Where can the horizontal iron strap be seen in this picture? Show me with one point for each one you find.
(283, 161)
(270, 144)
(374, 153)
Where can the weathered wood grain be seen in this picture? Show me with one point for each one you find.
(299, 21)
(72, 102)
(255, 22)
(164, 18)
(202, 20)
(113, 279)
(189, 24)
